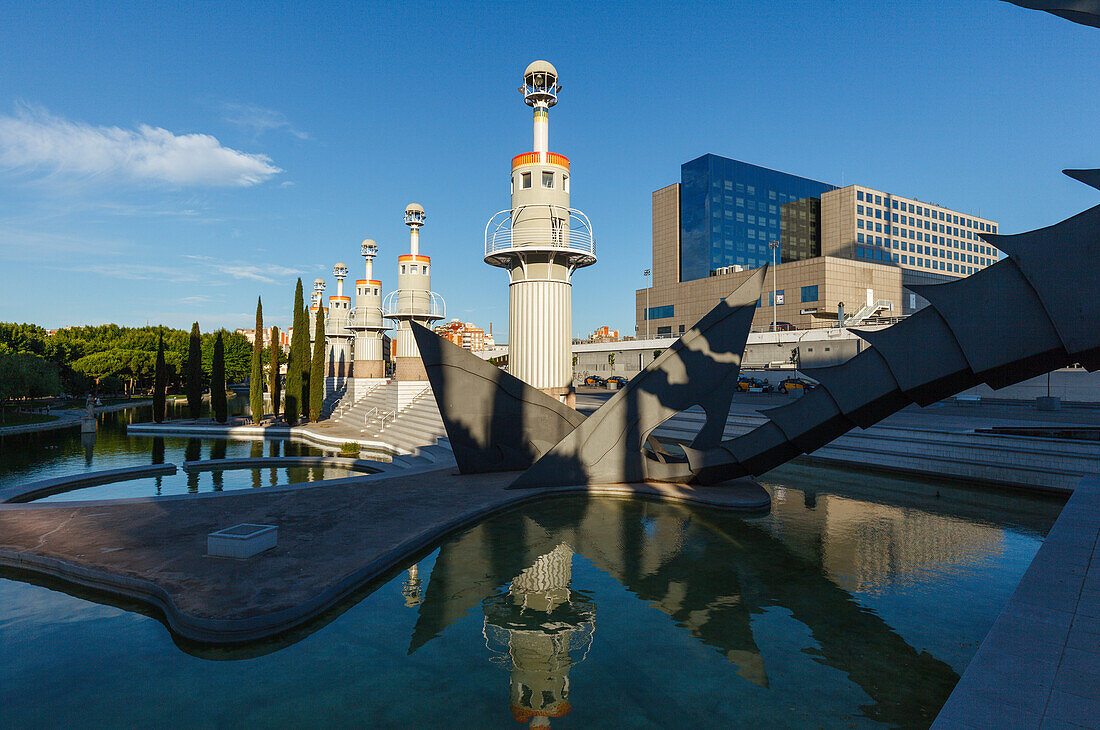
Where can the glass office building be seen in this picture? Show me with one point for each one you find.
(730, 211)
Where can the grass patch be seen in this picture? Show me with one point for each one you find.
(22, 419)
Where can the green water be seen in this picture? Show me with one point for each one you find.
(856, 602)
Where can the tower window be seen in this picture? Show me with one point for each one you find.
(412, 269)
(547, 179)
(525, 180)
(565, 183)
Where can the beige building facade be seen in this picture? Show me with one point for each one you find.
(807, 292)
(873, 244)
(870, 225)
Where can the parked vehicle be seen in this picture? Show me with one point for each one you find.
(595, 380)
(746, 383)
(781, 327)
(618, 380)
(786, 386)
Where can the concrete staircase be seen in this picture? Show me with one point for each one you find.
(377, 417)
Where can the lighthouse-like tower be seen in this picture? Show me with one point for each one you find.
(316, 301)
(367, 322)
(540, 241)
(336, 331)
(413, 300)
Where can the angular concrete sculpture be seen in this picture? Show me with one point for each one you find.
(699, 369)
(1085, 12)
(495, 422)
(1021, 317)
(1025, 315)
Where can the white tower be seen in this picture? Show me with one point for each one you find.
(336, 330)
(413, 300)
(540, 241)
(367, 322)
(316, 301)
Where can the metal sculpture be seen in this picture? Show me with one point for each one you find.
(1085, 12)
(1042, 316)
(495, 421)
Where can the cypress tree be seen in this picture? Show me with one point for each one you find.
(160, 383)
(304, 366)
(194, 373)
(317, 368)
(273, 375)
(217, 382)
(256, 380)
(292, 400)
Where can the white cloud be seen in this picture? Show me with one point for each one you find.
(35, 140)
(258, 120)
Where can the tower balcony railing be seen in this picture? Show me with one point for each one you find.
(366, 319)
(540, 158)
(415, 303)
(539, 228)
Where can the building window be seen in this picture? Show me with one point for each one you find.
(859, 195)
(809, 293)
(402, 268)
(778, 297)
(565, 183)
(525, 180)
(548, 179)
(412, 269)
(667, 310)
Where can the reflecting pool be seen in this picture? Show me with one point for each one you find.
(30, 457)
(856, 602)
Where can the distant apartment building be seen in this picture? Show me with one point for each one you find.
(464, 334)
(604, 334)
(284, 336)
(850, 249)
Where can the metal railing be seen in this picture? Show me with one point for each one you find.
(363, 319)
(414, 303)
(540, 227)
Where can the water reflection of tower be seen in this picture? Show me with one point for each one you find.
(541, 628)
(410, 589)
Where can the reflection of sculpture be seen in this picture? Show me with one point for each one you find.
(710, 576)
(1041, 317)
(540, 621)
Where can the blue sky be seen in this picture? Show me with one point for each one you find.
(168, 165)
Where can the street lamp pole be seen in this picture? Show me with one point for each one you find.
(647, 274)
(774, 246)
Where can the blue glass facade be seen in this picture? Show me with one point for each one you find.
(730, 211)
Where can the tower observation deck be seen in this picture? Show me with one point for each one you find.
(413, 300)
(540, 240)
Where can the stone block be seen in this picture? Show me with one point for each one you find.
(241, 541)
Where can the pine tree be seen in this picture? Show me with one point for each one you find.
(217, 382)
(256, 379)
(160, 383)
(292, 400)
(317, 369)
(273, 374)
(194, 373)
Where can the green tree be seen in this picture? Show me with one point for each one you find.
(317, 368)
(256, 378)
(273, 373)
(217, 382)
(24, 375)
(292, 400)
(305, 364)
(160, 384)
(194, 372)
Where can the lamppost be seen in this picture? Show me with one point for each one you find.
(647, 273)
(774, 246)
